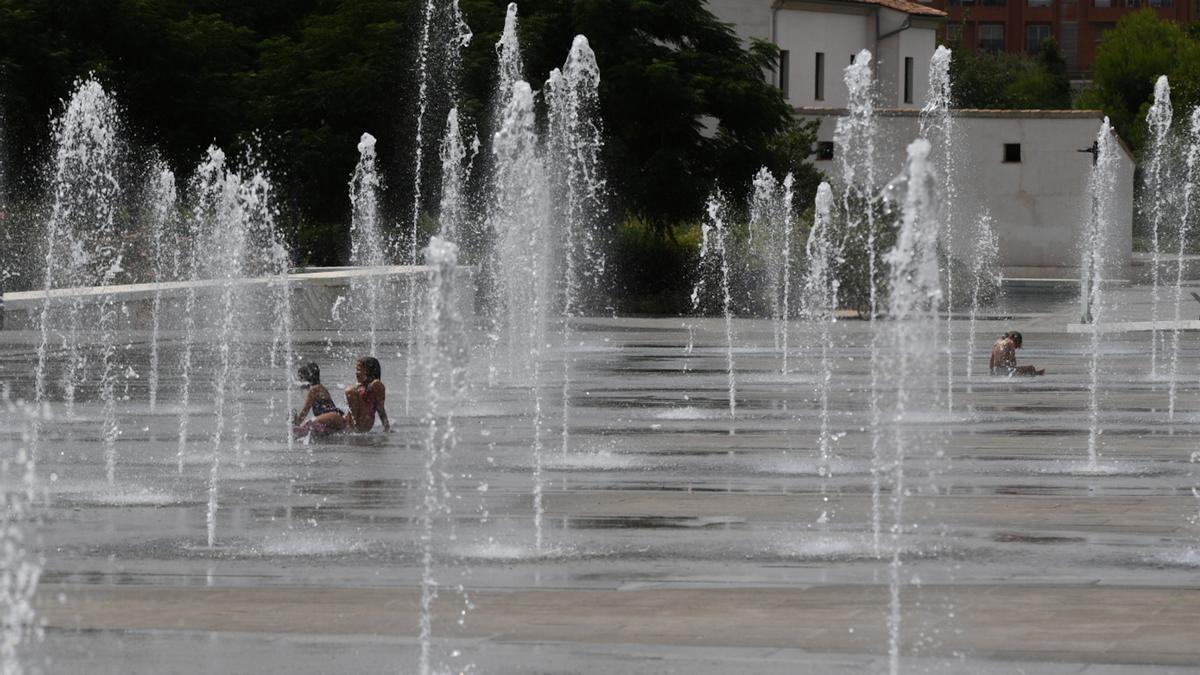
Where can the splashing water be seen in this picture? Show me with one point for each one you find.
(713, 246)
(1102, 185)
(366, 238)
(984, 266)
(913, 300)
(1158, 183)
(855, 134)
(83, 248)
(443, 351)
(937, 125)
(162, 216)
(1192, 166)
(771, 240)
(820, 302)
(21, 562)
(457, 159)
(575, 143)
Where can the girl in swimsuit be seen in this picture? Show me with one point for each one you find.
(327, 417)
(366, 399)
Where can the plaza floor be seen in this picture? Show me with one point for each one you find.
(674, 536)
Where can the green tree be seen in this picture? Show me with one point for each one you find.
(685, 105)
(998, 80)
(1142, 47)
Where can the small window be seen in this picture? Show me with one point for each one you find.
(784, 56)
(908, 79)
(1102, 3)
(1012, 153)
(824, 150)
(1039, 3)
(954, 33)
(819, 81)
(1035, 35)
(991, 37)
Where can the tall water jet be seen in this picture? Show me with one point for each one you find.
(83, 249)
(444, 34)
(820, 304)
(21, 562)
(983, 272)
(1157, 185)
(187, 266)
(456, 170)
(771, 241)
(937, 126)
(854, 136)
(443, 352)
(366, 238)
(510, 69)
(225, 247)
(714, 253)
(1102, 186)
(520, 222)
(240, 241)
(575, 142)
(162, 225)
(915, 292)
(1191, 179)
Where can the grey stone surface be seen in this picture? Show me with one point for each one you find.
(676, 538)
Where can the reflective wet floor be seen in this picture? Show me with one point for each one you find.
(674, 537)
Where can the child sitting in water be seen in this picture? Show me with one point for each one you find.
(327, 417)
(1004, 357)
(367, 398)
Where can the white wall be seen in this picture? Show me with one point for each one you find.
(838, 35)
(1039, 205)
(841, 30)
(750, 18)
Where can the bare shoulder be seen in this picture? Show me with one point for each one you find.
(377, 389)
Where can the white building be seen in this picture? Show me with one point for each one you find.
(1021, 166)
(1026, 168)
(819, 38)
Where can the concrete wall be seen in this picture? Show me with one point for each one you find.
(841, 30)
(750, 18)
(917, 42)
(1039, 205)
(321, 299)
(838, 32)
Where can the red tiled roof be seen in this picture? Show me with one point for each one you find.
(904, 6)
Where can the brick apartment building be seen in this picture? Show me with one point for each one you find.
(1017, 26)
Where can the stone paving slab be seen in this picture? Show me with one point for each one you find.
(1019, 622)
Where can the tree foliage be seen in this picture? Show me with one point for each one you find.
(1142, 47)
(998, 80)
(685, 104)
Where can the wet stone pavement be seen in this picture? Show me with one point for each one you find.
(674, 537)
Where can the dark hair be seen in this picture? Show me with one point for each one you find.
(310, 373)
(1016, 337)
(370, 365)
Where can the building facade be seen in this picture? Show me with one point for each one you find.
(1023, 167)
(1020, 26)
(819, 38)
